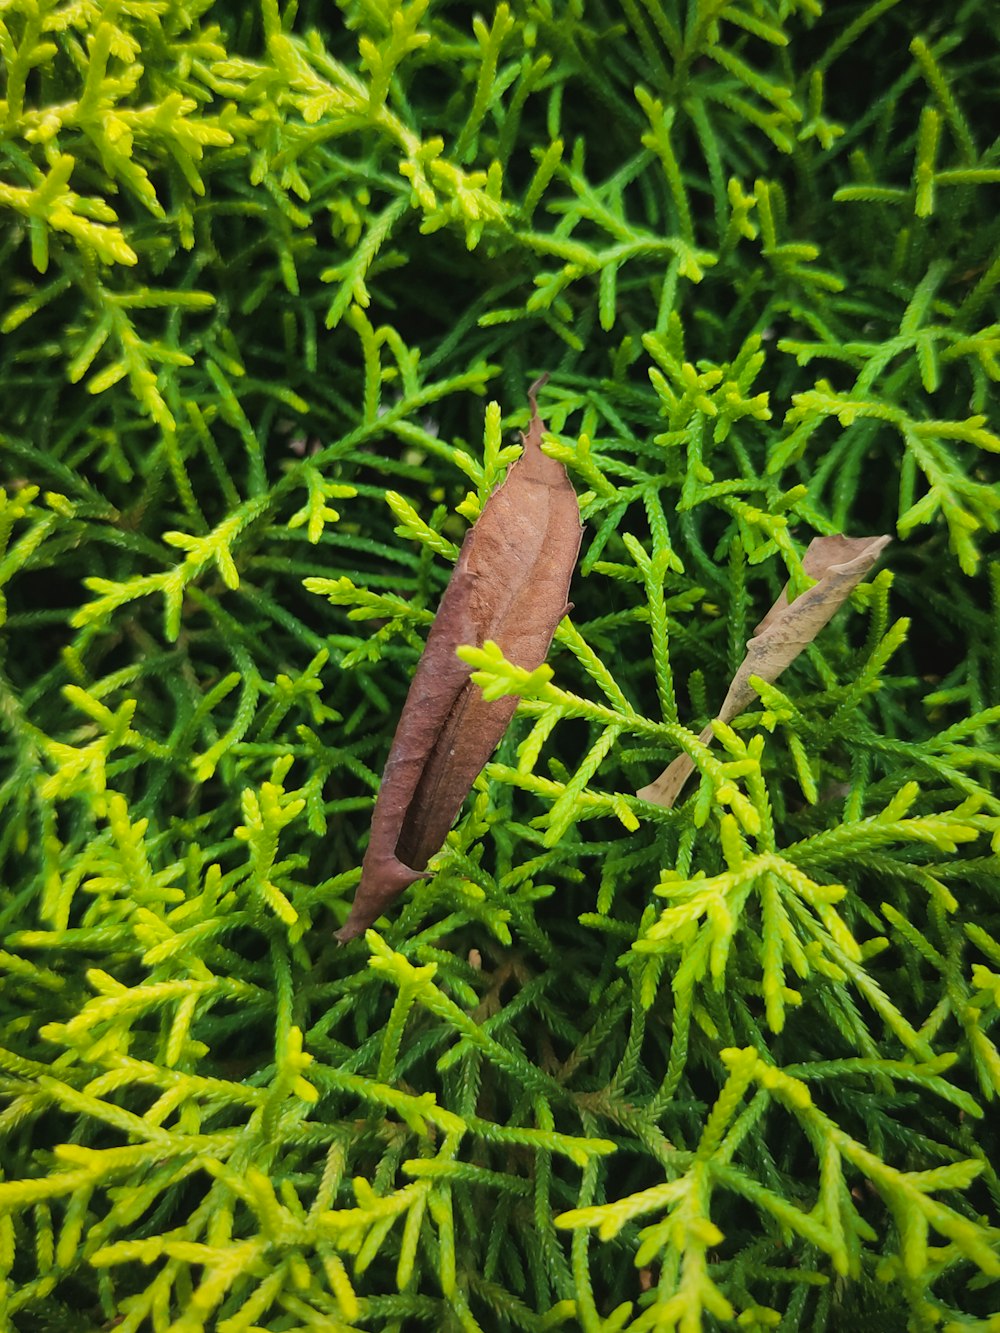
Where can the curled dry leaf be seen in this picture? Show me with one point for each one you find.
(838, 564)
(510, 585)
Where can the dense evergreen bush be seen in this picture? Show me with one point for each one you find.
(273, 285)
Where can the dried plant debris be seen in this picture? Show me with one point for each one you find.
(510, 585)
(838, 564)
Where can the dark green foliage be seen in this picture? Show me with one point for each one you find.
(613, 1067)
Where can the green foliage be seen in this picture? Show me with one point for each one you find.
(273, 283)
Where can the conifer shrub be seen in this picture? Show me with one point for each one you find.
(274, 280)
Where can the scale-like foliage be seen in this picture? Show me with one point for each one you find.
(274, 281)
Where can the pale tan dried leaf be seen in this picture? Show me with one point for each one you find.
(838, 564)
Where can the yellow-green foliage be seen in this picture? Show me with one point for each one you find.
(274, 279)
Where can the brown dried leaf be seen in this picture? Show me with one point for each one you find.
(838, 564)
(510, 585)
